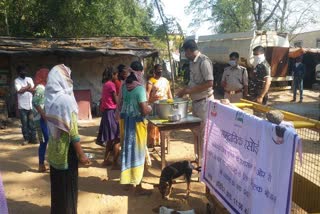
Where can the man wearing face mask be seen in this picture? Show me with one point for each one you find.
(235, 80)
(200, 86)
(24, 87)
(261, 77)
(298, 72)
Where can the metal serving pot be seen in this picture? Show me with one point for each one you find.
(165, 110)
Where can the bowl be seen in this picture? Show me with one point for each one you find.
(174, 118)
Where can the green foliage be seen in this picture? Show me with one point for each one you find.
(226, 16)
(233, 15)
(161, 45)
(75, 18)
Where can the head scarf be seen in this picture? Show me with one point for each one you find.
(59, 100)
(139, 82)
(130, 86)
(41, 77)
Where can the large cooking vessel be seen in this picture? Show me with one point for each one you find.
(165, 109)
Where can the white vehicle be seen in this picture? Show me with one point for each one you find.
(218, 47)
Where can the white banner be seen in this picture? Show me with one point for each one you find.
(248, 162)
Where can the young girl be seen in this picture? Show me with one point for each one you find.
(109, 126)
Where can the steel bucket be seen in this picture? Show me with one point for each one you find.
(165, 110)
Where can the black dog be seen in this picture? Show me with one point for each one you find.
(172, 172)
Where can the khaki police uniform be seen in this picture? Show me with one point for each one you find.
(201, 71)
(235, 79)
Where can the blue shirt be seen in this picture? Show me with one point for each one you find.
(299, 72)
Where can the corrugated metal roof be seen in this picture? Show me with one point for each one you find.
(138, 46)
(296, 52)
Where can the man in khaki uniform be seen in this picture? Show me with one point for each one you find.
(235, 80)
(200, 85)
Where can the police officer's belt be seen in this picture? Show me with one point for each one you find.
(196, 101)
(233, 92)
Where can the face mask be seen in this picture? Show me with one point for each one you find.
(258, 59)
(233, 63)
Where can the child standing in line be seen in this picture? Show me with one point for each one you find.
(109, 126)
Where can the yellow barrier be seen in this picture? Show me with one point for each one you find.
(298, 121)
(306, 185)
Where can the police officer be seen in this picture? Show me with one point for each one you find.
(200, 86)
(235, 80)
(261, 78)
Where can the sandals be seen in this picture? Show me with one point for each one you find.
(42, 168)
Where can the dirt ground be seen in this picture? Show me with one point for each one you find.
(309, 108)
(28, 191)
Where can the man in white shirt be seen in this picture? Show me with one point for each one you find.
(24, 87)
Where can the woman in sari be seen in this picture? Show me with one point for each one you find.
(64, 149)
(133, 129)
(158, 88)
(39, 118)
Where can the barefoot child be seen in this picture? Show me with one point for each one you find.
(109, 126)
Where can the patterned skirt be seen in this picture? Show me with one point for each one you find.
(133, 149)
(109, 127)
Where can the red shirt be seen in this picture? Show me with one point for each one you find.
(106, 97)
(118, 85)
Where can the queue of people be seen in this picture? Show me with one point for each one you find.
(48, 109)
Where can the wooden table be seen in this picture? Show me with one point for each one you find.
(190, 122)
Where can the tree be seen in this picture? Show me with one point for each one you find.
(242, 15)
(295, 15)
(226, 15)
(4, 12)
(75, 18)
(263, 11)
(165, 22)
